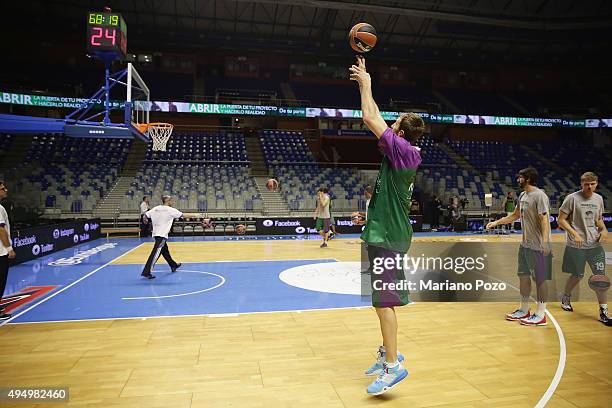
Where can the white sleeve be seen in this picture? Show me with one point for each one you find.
(148, 213)
(176, 213)
(3, 220)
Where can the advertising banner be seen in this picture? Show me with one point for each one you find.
(310, 112)
(32, 243)
(306, 225)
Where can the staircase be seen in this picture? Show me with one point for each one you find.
(545, 160)
(256, 158)
(458, 158)
(287, 91)
(109, 206)
(273, 202)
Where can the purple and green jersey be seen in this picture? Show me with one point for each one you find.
(388, 213)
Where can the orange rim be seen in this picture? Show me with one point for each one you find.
(144, 127)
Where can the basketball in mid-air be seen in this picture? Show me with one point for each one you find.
(362, 37)
(240, 229)
(272, 185)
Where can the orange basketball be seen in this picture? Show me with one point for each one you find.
(362, 37)
(599, 283)
(272, 185)
(240, 229)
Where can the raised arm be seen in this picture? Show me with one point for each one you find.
(371, 114)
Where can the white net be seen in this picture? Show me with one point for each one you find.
(159, 133)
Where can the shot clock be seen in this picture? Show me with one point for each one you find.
(106, 35)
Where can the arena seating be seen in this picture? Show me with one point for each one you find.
(299, 184)
(570, 155)
(71, 174)
(284, 146)
(205, 170)
(202, 146)
(500, 162)
(196, 187)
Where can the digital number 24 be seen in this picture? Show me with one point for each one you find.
(98, 32)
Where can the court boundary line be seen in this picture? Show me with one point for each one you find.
(199, 315)
(552, 387)
(66, 287)
(248, 260)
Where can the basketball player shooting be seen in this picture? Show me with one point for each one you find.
(388, 231)
(162, 217)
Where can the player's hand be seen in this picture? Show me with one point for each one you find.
(577, 239)
(358, 72)
(491, 225)
(11, 254)
(603, 238)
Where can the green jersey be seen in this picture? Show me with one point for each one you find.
(509, 206)
(388, 213)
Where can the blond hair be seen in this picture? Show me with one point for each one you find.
(589, 176)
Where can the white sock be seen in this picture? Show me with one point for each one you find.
(392, 365)
(603, 306)
(541, 309)
(524, 304)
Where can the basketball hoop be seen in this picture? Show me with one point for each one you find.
(159, 133)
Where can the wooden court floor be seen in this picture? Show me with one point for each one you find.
(458, 354)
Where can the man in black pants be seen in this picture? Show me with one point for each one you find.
(145, 226)
(162, 217)
(6, 250)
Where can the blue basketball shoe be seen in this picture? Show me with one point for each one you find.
(387, 379)
(380, 359)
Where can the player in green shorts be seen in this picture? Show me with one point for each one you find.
(388, 231)
(534, 256)
(581, 216)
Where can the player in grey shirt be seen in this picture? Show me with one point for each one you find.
(581, 216)
(534, 256)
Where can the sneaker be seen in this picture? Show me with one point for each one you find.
(323, 245)
(387, 379)
(380, 360)
(148, 275)
(604, 318)
(5, 316)
(534, 320)
(565, 303)
(518, 314)
(178, 265)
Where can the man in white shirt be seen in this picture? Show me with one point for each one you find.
(6, 250)
(162, 218)
(323, 216)
(145, 226)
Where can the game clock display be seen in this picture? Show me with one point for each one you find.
(106, 34)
